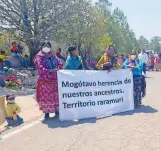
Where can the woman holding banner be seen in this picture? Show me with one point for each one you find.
(74, 61)
(139, 80)
(108, 61)
(47, 65)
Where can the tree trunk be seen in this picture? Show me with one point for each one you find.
(34, 47)
(85, 63)
(84, 59)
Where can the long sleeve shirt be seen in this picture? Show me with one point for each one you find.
(74, 63)
(44, 65)
(104, 59)
(143, 57)
(11, 108)
(3, 57)
(138, 65)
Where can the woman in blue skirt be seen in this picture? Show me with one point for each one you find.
(139, 80)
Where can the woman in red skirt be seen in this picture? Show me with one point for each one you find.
(47, 65)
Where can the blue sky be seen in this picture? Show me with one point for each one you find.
(144, 16)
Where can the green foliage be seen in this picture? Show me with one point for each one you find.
(4, 47)
(89, 27)
(104, 41)
(155, 44)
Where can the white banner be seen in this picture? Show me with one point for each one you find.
(85, 94)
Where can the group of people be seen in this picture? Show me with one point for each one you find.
(6, 63)
(17, 53)
(153, 61)
(47, 64)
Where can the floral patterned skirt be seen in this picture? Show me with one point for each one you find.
(139, 89)
(47, 96)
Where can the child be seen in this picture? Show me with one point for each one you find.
(26, 61)
(3, 56)
(12, 111)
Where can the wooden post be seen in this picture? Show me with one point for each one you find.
(2, 109)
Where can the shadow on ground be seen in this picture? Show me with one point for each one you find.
(56, 123)
(141, 109)
(149, 77)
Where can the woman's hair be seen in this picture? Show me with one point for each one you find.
(10, 96)
(71, 48)
(44, 43)
(59, 49)
(127, 56)
(133, 53)
(7, 96)
(13, 43)
(111, 46)
(2, 52)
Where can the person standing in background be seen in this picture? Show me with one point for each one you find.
(108, 60)
(119, 60)
(148, 63)
(152, 61)
(143, 57)
(74, 60)
(123, 58)
(157, 62)
(14, 49)
(20, 48)
(59, 55)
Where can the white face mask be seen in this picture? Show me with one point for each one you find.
(133, 57)
(11, 101)
(46, 50)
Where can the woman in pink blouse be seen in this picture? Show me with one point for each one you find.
(47, 65)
